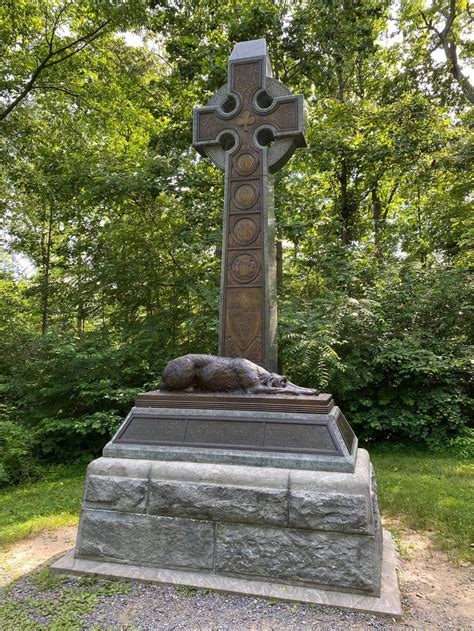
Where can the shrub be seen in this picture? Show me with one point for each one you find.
(396, 358)
(16, 452)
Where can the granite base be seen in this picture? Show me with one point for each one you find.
(387, 604)
(314, 529)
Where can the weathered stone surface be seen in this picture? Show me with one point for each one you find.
(126, 467)
(387, 604)
(234, 457)
(248, 508)
(219, 503)
(329, 511)
(333, 560)
(377, 522)
(226, 475)
(116, 493)
(220, 492)
(145, 539)
(336, 501)
(337, 481)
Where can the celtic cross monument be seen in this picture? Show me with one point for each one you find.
(230, 477)
(250, 128)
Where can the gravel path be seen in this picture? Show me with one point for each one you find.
(435, 595)
(151, 607)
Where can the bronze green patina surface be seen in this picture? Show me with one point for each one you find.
(250, 128)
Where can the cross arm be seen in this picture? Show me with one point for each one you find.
(210, 128)
(287, 118)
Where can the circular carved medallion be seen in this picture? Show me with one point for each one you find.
(245, 195)
(244, 268)
(245, 231)
(245, 164)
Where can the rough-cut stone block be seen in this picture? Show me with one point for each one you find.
(377, 522)
(219, 492)
(329, 511)
(219, 503)
(126, 467)
(223, 474)
(339, 502)
(116, 493)
(387, 604)
(145, 539)
(356, 483)
(333, 560)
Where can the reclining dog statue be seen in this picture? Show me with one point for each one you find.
(210, 373)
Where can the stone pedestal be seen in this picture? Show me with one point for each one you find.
(201, 517)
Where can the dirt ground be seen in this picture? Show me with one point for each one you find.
(25, 556)
(433, 588)
(436, 593)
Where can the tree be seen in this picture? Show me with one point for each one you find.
(121, 222)
(446, 25)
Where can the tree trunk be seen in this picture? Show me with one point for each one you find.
(345, 209)
(46, 250)
(378, 221)
(279, 267)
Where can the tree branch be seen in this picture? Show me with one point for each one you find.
(46, 62)
(76, 95)
(450, 50)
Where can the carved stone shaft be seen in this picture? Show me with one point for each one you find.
(250, 128)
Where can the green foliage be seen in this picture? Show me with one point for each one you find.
(396, 357)
(118, 225)
(16, 452)
(61, 604)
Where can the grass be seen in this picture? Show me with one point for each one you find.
(45, 504)
(421, 489)
(60, 604)
(427, 491)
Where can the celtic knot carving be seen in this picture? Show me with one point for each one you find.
(245, 231)
(244, 268)
(245, 195)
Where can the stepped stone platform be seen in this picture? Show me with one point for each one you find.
(241, 512)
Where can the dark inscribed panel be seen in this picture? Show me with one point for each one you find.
(346, 431)
(240, 433)
(151, 429)
(299, 436)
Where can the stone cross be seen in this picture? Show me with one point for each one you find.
(250, 128)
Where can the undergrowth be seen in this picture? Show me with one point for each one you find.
(61, 603)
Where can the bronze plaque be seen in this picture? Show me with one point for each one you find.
(222, 433)
(303, 437)
(236, 429)
(147, 429)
